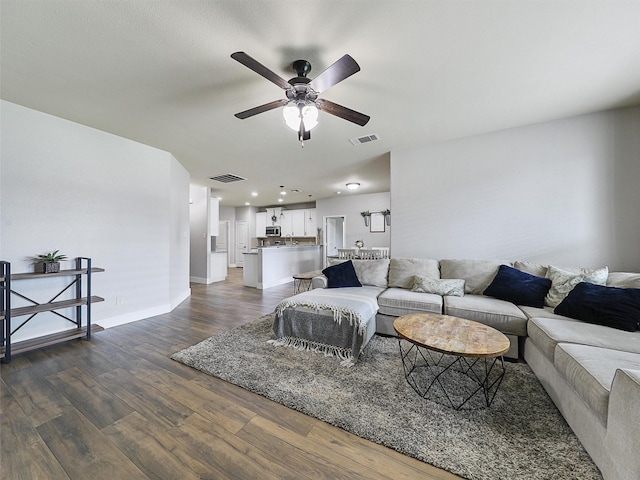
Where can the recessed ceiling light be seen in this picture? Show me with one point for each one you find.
(280, 200)
(353, 185)
(219, 198)
(247, 203)
(338, 193)
(254, 194)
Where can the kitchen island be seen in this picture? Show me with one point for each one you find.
(268, 267)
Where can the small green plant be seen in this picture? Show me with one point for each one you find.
(365, 213)
(386, 212)
(51, 257)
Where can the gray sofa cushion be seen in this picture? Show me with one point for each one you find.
(546, 333)
(546, 312)
(398, 301)
(402, 270)
(623, 280)
(590, 371)
(530, 267)
(372, 272)
(501, 315)
(477, 274)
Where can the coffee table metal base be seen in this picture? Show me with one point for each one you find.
(428, 372)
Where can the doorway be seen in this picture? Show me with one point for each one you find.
(241, 242)
(334, 236)
(222, 241)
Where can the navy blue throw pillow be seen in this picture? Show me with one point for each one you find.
(610, 306)
(518, 287)
(341, 275)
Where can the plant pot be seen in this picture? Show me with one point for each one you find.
(387, 219)
(366, 221)
(48, 267)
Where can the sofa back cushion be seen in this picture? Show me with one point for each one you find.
(623, 280)
(536, 269)
(372, 272)
(402, 270)
(477, 274)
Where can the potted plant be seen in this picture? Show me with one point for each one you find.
(387, 216)
(359, 243)
(49, 262)
(366, 215)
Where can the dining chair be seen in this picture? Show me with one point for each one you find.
(347, 253)
(384, 251)
(369, 254)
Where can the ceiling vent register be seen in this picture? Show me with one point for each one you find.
(366, 139)
(227, 178)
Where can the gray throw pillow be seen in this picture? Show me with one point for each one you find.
(451, 286)
(563, 281)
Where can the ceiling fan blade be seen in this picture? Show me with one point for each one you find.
(262, 108)
(342, 112)
(343, 68)
(260, 69)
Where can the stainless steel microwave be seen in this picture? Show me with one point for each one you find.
(273, 231)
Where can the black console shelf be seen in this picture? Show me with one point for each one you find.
(82, 271)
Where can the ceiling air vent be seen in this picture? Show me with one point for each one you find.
(366, 139)
(227, 178)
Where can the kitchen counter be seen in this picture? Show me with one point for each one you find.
(218, 266)
(276, 264)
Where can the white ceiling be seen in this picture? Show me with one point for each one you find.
(159, 72)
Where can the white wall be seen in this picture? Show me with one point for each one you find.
(89, 193)
(351, 206)
(564, 192)
(179, 233)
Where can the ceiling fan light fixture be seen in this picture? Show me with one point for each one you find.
(293, 111)
(353, 186)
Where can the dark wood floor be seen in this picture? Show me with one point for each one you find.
(118, 408)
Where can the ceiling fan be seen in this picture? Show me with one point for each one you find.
(302, 103)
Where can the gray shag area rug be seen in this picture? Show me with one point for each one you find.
(521, 436)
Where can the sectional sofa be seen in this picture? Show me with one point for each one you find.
(591, 369)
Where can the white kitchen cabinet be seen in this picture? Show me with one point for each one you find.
(298, 222)
(261, 224)
(311, 224)
(285, 223)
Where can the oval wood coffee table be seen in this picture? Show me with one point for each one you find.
(451, 360)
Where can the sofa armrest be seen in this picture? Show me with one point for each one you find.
(319, 282)
(623, 435)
